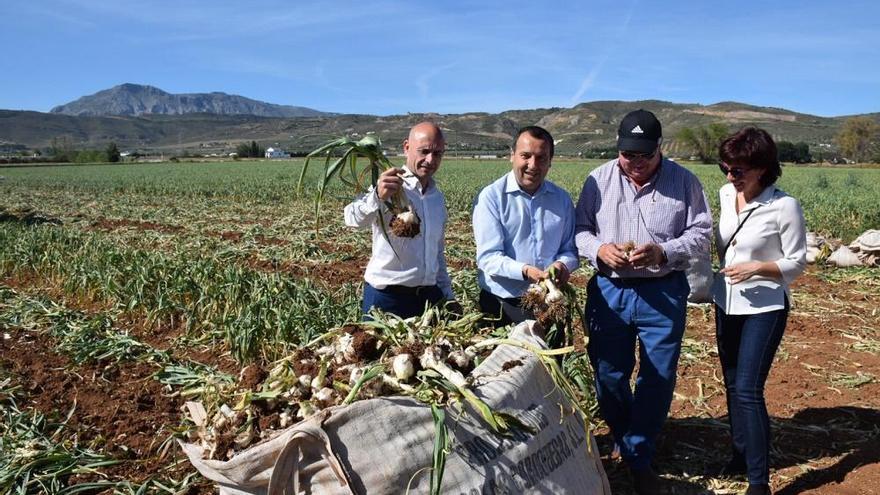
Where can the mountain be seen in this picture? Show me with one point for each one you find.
(136, 99)
(581, 129)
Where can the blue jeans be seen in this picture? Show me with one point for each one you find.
(404, 302)
(620, 312)
(746, 346)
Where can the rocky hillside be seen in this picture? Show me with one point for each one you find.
(581, 129)
(135, 100)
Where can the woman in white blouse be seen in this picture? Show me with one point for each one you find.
(761, 243)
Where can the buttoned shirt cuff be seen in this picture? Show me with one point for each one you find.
(591, 251)
(372, 201)
(674, 257)
(790, 269)
(571, 263)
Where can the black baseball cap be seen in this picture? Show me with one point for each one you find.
(639, 131)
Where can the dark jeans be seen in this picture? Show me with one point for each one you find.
(509, 310)
(402, 301)
(620, 313)
(746, 346)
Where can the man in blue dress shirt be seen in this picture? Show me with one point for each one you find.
(523, 226)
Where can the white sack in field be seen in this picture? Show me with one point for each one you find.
(844, 257)
(385, 445)
(868, 241)
(867, 246)
(814, 240)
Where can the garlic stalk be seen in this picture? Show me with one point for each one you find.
(397, 384)
(365, 377)
(499, 422)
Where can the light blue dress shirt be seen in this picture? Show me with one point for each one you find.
(513, 229)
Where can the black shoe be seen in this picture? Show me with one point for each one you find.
(735, 467)
(645, 481)
(759, 490)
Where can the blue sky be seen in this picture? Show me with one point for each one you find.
(393, 57)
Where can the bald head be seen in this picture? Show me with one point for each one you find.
(424, 150)
(428, 129)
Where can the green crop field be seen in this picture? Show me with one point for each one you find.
(197, 269)
(229, 244)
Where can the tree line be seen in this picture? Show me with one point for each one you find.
(62, 150)
(858, 140)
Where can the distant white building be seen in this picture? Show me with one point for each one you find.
(276, 153)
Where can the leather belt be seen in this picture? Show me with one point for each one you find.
(632, 281)
(404, 290)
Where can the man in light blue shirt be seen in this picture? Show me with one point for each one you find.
(523, 226)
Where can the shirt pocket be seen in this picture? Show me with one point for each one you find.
(664, 217)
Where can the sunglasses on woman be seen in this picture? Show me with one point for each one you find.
(736, 173)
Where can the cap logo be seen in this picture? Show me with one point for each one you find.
(637, 130)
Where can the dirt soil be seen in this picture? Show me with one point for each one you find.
(823, 395)
(118, 409)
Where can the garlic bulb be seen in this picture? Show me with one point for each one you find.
(553, 293)
(403, 366)
(324, 395)
(459, 358)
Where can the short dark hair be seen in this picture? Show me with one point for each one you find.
(537, 133)
(753, 148)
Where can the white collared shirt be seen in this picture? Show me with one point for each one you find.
(412, 262)
(774, 231)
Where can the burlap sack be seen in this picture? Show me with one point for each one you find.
(385, 445)
(844, 257)
(867, 247)
(700, 278)
(814, 240)
(869, 241)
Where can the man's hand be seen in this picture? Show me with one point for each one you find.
(561, 273)
(613, 255)
(533, 274)
(389, 183)
(646, 255)
(741, 271)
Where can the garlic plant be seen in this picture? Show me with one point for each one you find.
(628, 248)
(425, 357)
(404, 221)
(550, 304)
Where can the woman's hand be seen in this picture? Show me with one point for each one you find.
(742, 271)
